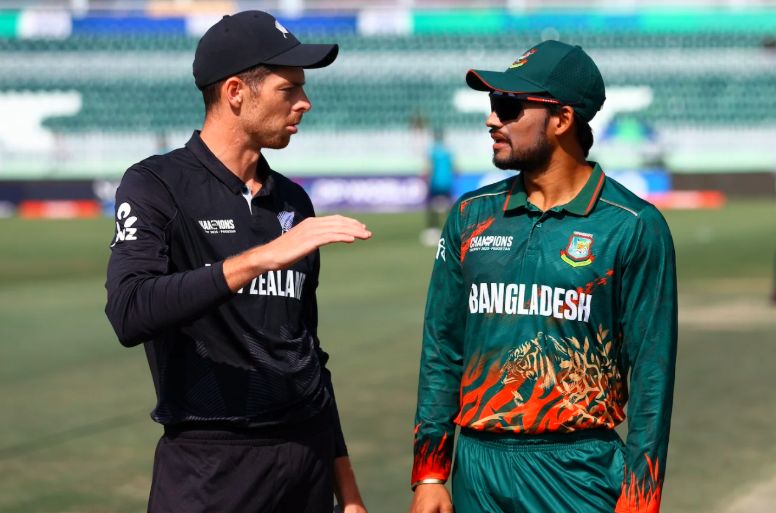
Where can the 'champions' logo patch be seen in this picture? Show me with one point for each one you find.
(577, 253)
(491, 243)
(213, 226)
(522, 59)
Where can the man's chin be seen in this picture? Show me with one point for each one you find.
(278, 143)
(505, 163)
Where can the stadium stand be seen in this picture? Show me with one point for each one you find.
(133, 74)
(143, 82)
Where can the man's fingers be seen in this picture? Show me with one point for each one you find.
(320, 231)
(347, 221)
(345, 225)
(331, 238)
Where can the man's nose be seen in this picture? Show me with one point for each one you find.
(304, 103)
(493, 121)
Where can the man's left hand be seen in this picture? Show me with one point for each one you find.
(345, 487)
(354, 508)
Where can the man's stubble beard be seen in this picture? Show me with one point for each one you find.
(277, 141)
(527, 160)
(261, 133)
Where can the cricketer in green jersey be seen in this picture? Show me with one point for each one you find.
(548, 289)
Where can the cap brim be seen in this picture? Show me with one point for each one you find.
(499, 81)
(306, 56)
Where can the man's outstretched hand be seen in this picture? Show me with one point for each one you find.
(291, 247)
(309, 235)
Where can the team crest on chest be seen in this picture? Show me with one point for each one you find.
(286, 221)
(578, 252)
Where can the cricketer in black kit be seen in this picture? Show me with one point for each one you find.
(214, 268)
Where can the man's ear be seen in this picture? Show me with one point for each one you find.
(233, 91)
(564, 121)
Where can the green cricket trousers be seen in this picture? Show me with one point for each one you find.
(549, 473)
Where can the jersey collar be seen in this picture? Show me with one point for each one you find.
(200, 150)
(581, 205)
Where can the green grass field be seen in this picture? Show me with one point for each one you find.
(75, 435)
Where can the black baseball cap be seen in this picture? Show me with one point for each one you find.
(249, 38)
(563, 71)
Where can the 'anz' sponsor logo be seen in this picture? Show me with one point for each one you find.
(218, 226)
(491, 243)
(125, 231)
(520, 299)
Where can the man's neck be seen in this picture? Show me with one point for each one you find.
(235, 151)
(558, 183)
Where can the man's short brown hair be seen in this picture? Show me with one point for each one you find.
(253, 77)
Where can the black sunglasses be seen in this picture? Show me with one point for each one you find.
(508, 106)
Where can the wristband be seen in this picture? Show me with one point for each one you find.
(427, 481)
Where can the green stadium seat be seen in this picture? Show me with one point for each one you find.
(170, 102)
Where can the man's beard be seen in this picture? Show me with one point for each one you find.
(528, 159)
(271, 139)
(265, 135)
(276, 140)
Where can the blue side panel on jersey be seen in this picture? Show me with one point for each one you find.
(116, 26)
(320, 24)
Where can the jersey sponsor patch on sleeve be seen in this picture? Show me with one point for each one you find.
(125, 229)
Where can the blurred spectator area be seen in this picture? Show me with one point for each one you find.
(85, 94)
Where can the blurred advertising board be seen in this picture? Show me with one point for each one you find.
(643, 183)
(402, 193)
(87, 198)
(58, 199)
(59, 209)
(376, 194)
(7, 209)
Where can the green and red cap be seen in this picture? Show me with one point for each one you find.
(558, 70)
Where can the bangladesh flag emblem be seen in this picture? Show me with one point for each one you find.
(521, 60)
(578, 252)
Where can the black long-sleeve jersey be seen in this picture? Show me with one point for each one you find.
(218, 359)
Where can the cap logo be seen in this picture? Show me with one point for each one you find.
(281, 28)
(521, 60)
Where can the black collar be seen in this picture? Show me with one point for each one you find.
(200, 150)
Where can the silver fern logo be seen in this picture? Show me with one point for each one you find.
(281, 28)
(286, 221)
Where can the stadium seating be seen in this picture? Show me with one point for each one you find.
(157, 97)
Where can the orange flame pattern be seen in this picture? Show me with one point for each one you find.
(431, 461)
(545, 385)
(641, 497)
(466, 240)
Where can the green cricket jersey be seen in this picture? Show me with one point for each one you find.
(534, 320)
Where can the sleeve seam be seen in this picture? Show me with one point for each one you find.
(636, 227)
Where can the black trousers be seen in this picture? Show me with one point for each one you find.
(245, 471)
